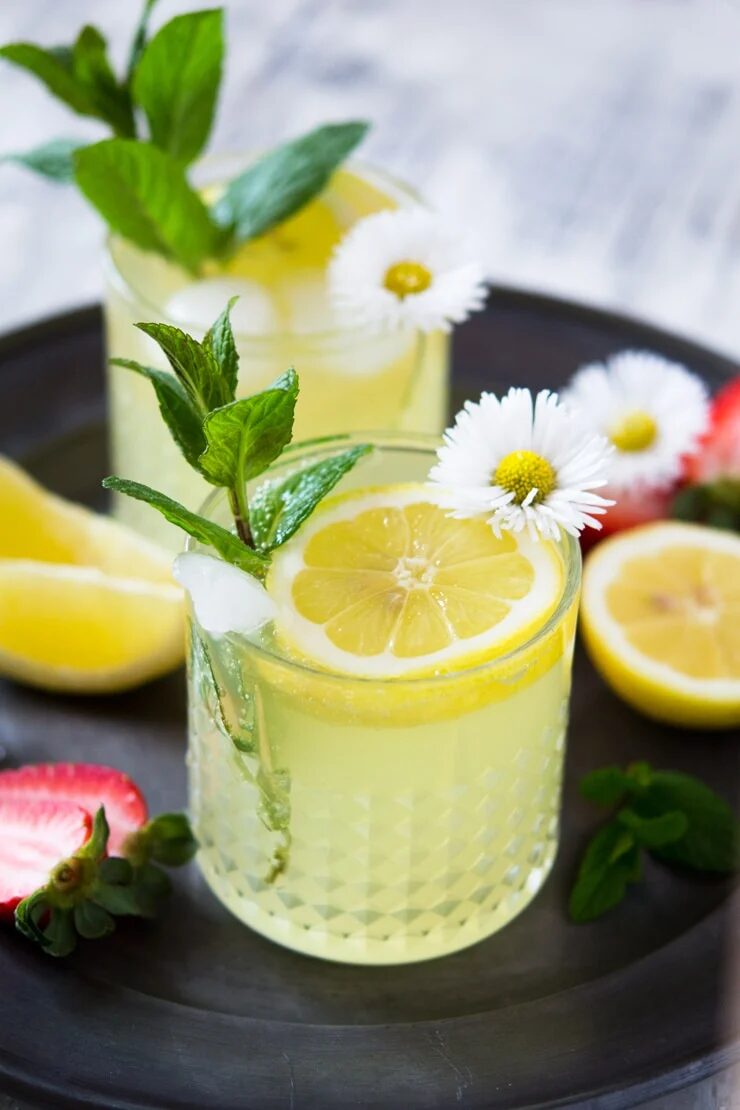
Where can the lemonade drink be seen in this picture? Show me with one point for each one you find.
(354, 800)
(351, 379)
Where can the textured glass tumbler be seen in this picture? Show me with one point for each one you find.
(351, 379)
(378, 821)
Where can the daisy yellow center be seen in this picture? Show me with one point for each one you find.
(634, 432)
(519, 472)
(406, 278)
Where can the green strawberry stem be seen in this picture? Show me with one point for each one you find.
(86, 892)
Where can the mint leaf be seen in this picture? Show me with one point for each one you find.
(286, 179)
(54, 68)
(195, 366)
(177, 81)
(205, 531)
(219, 340)
(143, 195)
(53, 160)
(139, 41)
(711, 841)
(610, 864)
(245, 436)
(178, 410)
(279, 508)
(654, 832)
(607, 786)
(110, 101)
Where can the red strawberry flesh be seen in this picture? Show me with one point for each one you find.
(35, 835)
(719, 453)
(89, 785)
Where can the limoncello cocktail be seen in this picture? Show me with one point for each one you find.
(375, 773)
(352, 377)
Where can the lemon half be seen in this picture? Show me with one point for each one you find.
(383, 583)
(661, 620)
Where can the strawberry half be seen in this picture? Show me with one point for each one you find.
(35, 834)
(719, 452)
(88, 785)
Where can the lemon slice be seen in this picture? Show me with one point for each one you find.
(36, 524)
(383, 583)
(86, 606)
(661, 620)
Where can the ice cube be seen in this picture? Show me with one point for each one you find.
(199, 304)
(225, 599)
(304, 298)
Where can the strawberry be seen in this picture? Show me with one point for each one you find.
(719, 452)
(34, 835)
(61, 874)
(90, 786)
(631, 508)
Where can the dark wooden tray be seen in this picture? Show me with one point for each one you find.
(197, 1011)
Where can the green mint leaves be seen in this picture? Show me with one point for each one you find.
(144, 196)
(53, 160)
(177, 80)
(283, 181)
(137, 179)
(279, 508)
(87, 892)
(230, 442)
(673, 816)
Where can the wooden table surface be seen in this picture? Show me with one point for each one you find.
(592, 145)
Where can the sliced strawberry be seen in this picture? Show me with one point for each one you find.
(719, 453)
(35, 835)
(631, 509)
(87, 784)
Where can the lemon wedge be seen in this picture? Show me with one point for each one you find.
(86, 606)
(383, 583)
(660, 617)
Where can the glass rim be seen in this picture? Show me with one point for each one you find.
(136, 299)
(417, 444)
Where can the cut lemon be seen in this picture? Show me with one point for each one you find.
(36, 524)
(661, 620)
(86, 605)
(383, 583)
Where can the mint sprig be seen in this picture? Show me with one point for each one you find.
(230, 442)
(86, 892)
(160, 113)
(674, 817)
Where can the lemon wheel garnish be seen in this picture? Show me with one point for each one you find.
(86, 605)
(383, 583)
(661, 619)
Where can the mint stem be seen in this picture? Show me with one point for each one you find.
(240, 511)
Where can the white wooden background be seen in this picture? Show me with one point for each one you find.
(594, 145)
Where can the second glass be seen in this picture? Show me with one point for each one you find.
(350, 379)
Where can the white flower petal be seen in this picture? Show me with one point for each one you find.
(225, 599)
(357, 272)
(484, 433)
(639, 381)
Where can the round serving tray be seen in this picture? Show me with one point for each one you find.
(196, 1011)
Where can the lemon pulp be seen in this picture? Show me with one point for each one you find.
(661, 616)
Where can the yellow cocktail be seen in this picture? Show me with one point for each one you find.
(351, 378)
(372, 782)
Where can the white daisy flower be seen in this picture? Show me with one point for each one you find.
(653, 411)
(523, 463)
(404, 269)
